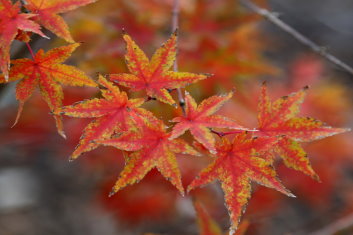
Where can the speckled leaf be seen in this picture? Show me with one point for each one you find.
(153, 149)
(295, 157)
(47, 14)
(198, 119)
(11, 20)
(113, 113)
(45, 71)
(237, 164)
(279, 118)
(153, 76)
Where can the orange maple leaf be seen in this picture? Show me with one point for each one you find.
(47, 14)
(153, 148)
(154, 76)
(46, 72)
(11, 20)
(113, 113)
(237, 163)
(279, 118)
(197, 119)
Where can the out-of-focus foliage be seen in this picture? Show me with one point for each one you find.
(217, 37)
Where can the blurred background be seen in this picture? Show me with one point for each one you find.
(42, 193)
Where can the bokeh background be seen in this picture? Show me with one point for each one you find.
(42, 193)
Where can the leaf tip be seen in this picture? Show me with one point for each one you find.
(111, 193)
(231, 231)
(73, 157)
(346, 130)
(14, 124)
(62, 134)
(317, 178)
(16, 121)
(20, 108)
(207, 75)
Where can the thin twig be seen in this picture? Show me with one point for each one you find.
(175, 24)
(273, 18)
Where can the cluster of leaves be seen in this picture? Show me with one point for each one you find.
(43, 69)
(240, 156)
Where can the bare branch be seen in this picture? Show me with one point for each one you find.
(273, 18)
(175, 24)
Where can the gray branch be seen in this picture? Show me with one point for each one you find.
(273, 18)
(175, 25)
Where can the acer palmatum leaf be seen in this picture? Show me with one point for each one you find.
(47, 14)
(154, 76)
(152, 149)
(198, 119)
(115, 112)
(279, 118)
(11, 21)
(47, 72)
(237, 163)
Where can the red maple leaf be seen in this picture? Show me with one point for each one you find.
(198, 119)
(154, 76)
(279, 118)
(153, 148)
(46, 72)
(237, 164)
(47, 14)
(113, 113)
(11, 20)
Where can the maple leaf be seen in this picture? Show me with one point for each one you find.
(154, 76)
(47, 14)
(279, 118)
(237, 163)
(197, 119)
(153, 148)
(11, 20)
(46, 72)
(113, 113)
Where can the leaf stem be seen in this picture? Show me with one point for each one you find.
(30, 50)
(149, 98)
(222, 134)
